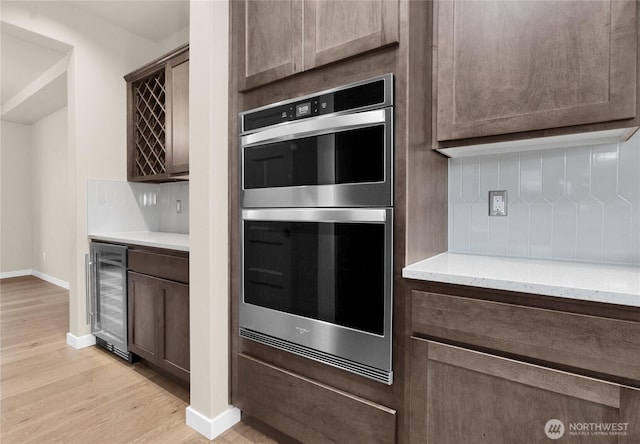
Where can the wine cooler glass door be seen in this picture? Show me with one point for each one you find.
(109, 301)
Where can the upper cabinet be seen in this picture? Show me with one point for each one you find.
(280, 38)
(335, 30)
(158, 119)
(507, 67)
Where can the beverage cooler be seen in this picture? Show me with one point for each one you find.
(107, 297)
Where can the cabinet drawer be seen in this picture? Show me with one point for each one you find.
(463, 396)
(307, 410)
(603, 345)
(165, 266)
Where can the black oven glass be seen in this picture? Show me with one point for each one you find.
(354, 156)
(328, 271)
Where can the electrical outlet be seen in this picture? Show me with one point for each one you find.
(178, 206)
(498, 203)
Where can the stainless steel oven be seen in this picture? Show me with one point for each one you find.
(317, 227)
(331, 149)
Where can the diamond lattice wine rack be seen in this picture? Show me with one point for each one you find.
(149, 125)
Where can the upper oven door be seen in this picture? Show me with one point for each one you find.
(326, 161)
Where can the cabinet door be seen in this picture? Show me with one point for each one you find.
(461, 396)
(143, 299)
(173, 328)
(505, 67)
(269, 40)
(337, 29)
(177, 75)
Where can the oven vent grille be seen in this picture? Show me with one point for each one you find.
(376, 374)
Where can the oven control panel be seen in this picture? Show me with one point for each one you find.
(363, 95)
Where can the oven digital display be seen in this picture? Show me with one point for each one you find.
(303, 109)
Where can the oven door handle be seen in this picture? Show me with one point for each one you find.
(367, 215)
(318, 126)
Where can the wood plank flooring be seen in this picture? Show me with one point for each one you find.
(52, 393)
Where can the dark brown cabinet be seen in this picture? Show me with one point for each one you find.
(496, 372)
(510, 67)
(335, 30)
(159, 311)
(158, 119)
(464, 396)
(277, 39)
(310, 411)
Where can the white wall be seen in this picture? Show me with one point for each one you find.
(50, 197)
(15, 190)
(102, 54)
(209, 242)
(579, 203)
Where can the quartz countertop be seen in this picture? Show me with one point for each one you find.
(170, 241)
(613, 284)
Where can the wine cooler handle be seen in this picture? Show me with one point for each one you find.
(90, 286)
(87, 269)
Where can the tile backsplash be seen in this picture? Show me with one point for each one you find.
(574, 203)
(114, 206)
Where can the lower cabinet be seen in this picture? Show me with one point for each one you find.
(307, 410)
(159, 322)
(512, 391)
(463, 396)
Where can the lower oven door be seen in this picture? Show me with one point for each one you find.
(318, 282)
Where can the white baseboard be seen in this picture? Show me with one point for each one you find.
(78, 342)
(17, 273)
(51, 279)
(38, 274)
(210, 428)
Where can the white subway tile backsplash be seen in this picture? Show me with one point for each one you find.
(170, 220)
(479, 227)
(518, 220)
(470, 179)
(604, 172)
(617, 230)
(541, 234)
(553, 174)
(571, 203)
(565, 224)
(530, 176)
(510, 174)
(498, 238)
(461, 219)
(455, 181)
(114, 206)
(577, 174)
(489, 175)
(590, 226)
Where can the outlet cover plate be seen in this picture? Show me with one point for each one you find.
(498, 203)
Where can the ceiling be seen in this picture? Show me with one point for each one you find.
(152, 19)
(31, 61)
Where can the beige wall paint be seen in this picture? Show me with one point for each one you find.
(50, 199)
(35, 200)
(102, 54)
(15, 189)
(208, 155)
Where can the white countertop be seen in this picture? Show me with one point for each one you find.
(171, 241)
(614, 284)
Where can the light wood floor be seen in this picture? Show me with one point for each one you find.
(52, 393)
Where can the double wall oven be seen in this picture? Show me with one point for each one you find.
(316, 197)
